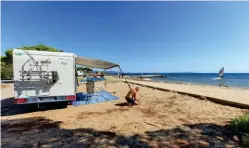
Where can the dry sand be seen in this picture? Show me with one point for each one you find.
(7, 91)
(163, 119)
(231, 94)
(4, 86)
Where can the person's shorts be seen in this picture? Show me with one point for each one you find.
(130, 100)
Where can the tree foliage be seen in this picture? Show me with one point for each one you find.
(7, 72)
(84, 69)
(6, 61)
(40, 47)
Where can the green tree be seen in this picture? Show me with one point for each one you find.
(6, 62)
(84, 69)
(40, 47)
(8, 57)
(79, 69)
(7, 72)
(88, 69)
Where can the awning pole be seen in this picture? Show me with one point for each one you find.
(105, 78)
(125, 78)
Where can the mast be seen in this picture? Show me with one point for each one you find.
(221, 72)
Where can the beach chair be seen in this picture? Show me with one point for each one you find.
(92, 87)
(93, 90)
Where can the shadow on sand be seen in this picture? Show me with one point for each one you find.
(8, 108)
(122, 104)
(41, 132)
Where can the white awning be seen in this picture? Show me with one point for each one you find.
(94, 63)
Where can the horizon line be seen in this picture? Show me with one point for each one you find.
(182, 72)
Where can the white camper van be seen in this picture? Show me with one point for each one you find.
(41, 77)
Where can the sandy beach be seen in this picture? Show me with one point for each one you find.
(163, 119)
(239, 95)
(70, 72)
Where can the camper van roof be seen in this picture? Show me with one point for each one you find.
(46, 53)
(94, 63)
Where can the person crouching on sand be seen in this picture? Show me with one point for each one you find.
(132, 97)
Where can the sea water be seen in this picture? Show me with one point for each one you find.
(240, 80)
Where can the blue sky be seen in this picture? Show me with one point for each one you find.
(140, 36)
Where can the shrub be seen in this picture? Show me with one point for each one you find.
(7, 72)
(241, 124)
